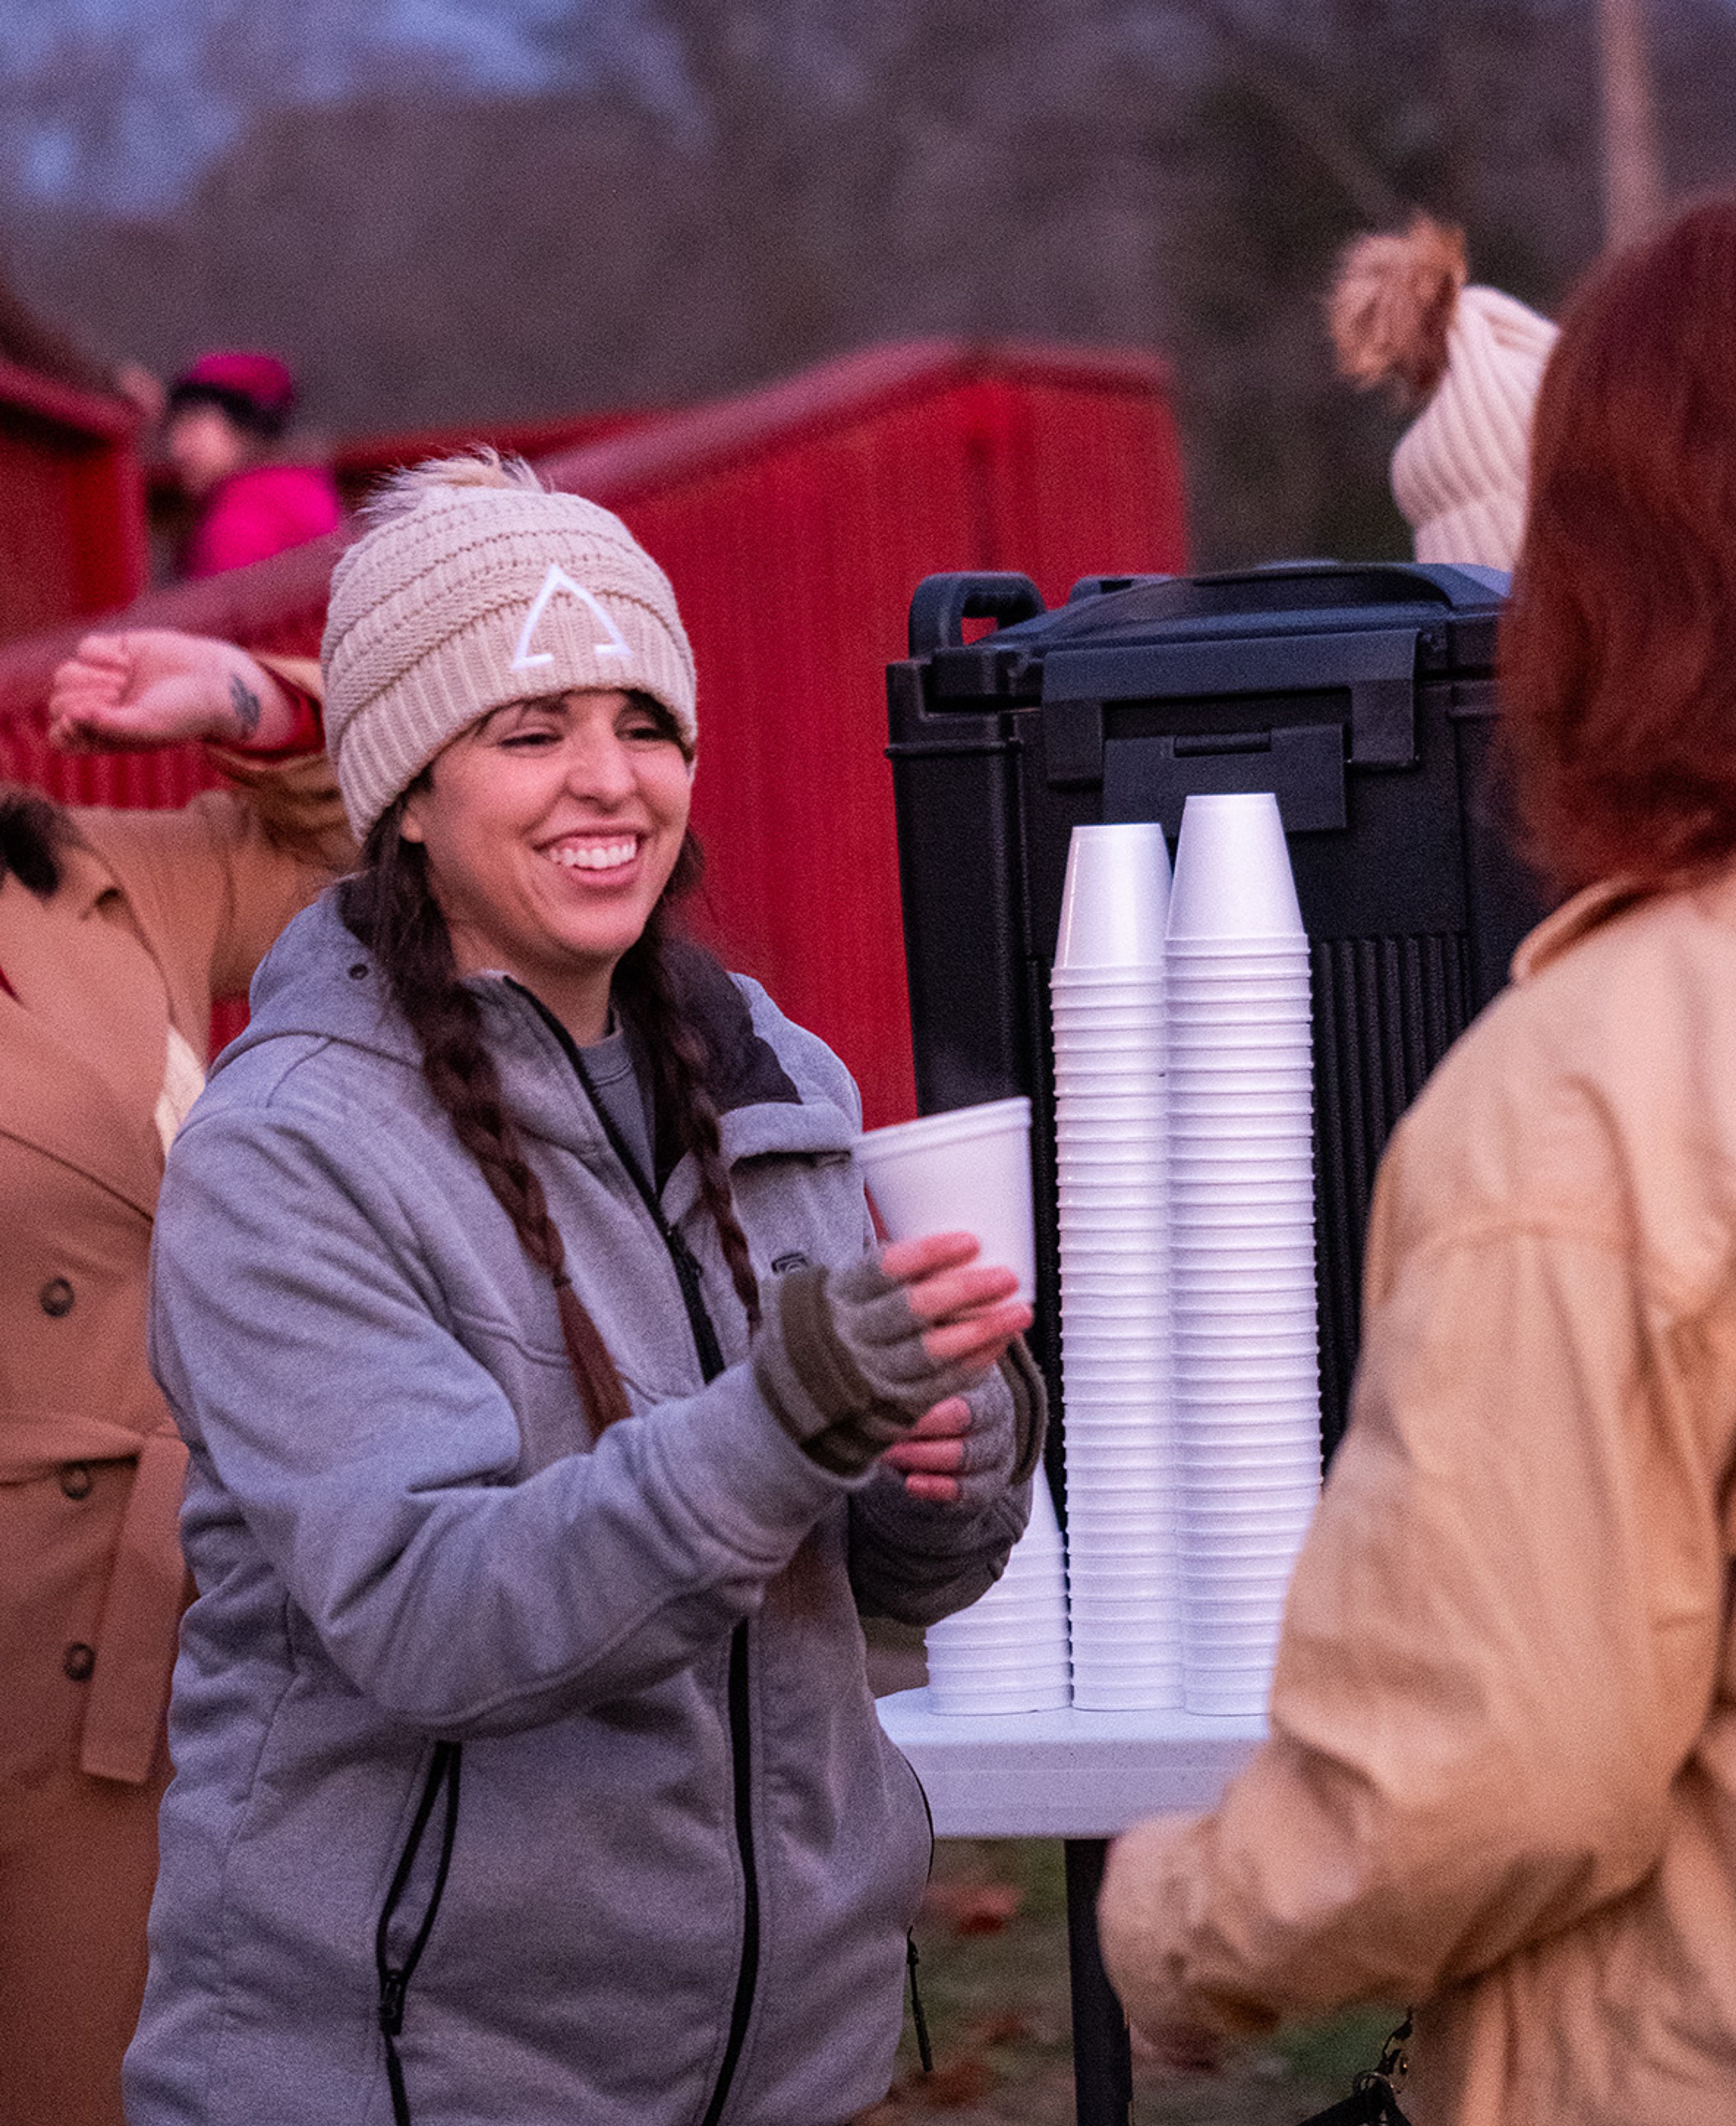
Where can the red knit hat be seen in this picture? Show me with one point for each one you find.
(261, 380)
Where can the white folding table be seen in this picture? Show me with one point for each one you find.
(1081, 1777)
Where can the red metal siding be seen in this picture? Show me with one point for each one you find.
(72, 503)
(795, 523)
(794, 565)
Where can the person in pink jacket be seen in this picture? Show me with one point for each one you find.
(225, 414)
(1500, 1777)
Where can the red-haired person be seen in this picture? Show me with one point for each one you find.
(1501, 1779)
(117, 931)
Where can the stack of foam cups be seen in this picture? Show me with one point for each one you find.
(1247, 1370)
(1008, 1652)
(968, 1170)
(1107, 991)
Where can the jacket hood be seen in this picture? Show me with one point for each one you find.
(777, 1088)
(319, 981)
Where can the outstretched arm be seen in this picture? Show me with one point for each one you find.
(156, 687)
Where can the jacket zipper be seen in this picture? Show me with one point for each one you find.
(710, 1355)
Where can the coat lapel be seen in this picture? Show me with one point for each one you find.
(83, 1042)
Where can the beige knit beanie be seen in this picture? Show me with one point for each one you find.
(1400, 312)
(474, 588)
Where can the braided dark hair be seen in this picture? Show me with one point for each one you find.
(647, 996)
(390, 904)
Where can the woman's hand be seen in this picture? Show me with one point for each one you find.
(155, 687)
(934, 1451)
(969, 1306)
(853, 1361)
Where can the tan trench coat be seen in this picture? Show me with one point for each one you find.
(157, 914)
(1500, 1779)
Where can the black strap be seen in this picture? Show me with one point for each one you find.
(924, 2050)
(394, 1979)
(1374, 2096)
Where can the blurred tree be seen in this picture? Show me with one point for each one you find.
(1633, 173)
(705, 193)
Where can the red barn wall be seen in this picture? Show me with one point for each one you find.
(795, 522)
(72, 503)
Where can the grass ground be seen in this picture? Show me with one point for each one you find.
(993, 1944)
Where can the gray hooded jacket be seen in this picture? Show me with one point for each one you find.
(682, 1857)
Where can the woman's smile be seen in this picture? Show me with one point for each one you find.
(595, 854)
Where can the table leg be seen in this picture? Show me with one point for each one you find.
(1102, 2062)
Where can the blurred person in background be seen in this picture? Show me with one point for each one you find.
(1500, 1779)
(117, 930)
(1468, 360)
(227, 416)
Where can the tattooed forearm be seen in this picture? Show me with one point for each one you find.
(245, 703)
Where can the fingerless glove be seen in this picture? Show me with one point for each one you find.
(840, 1359)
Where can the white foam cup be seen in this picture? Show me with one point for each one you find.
(1232, 877)
(1213, 1166)
(1289, 950)
(1229, 1012)
(1115, 900)
(1145, 1198)
(1201, 1379)
(1230, 1590)
(1117, 1108)
(1270, 1465)
(1138, 1423)
(1223, 1216)
(1259, 1421)
(1279, 1274)
(1211, 1699)
(1214, 1614)
(1235, 1045)
(1216, 1502)
(1246, 1339)
(1121, 1345)
(1207, 1508)
(1094, 1073)
(1131, 1462)
(1220, 1082)
(1283, 1352)
(1117, 1661)
(1118, 1502)
(1196, 1111)
(1274, 1292)
(1198, 1385)
(1050, 1696)
(1210, 980)
(1083, 983)
(1115, 1562)
(968, 1170)
(1223, 1201)
(1254, 1116)
(1205, 1268)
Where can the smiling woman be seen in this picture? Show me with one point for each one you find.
(553, 827)
(513, 1458)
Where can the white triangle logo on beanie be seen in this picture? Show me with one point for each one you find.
(557, 580)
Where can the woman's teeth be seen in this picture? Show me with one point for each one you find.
(595, 856)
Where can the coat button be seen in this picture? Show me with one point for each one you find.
(76, 1478)
(79, 1661)
(56, 1296)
